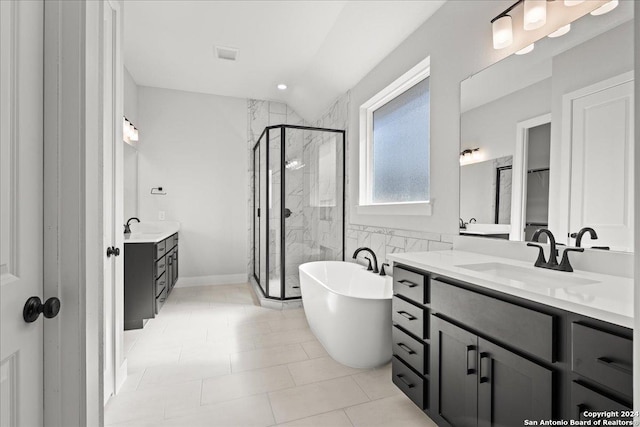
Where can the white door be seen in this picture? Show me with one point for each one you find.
(21, 211)
(602, 166)
(112, 200)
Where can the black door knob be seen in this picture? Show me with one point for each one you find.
(33, 307)
(287, 212)
(112, 250)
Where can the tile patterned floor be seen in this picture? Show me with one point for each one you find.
(213, 357)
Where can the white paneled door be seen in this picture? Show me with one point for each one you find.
(602, 164)
(21, 215)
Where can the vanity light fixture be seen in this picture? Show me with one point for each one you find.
(282, 86)
(535, 14)
(605, 8)
(560, 31)
(534, 17)
(129, 131)
(469, 154)
(502, 32)
(526, 49)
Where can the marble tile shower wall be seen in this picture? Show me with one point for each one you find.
(382, 240)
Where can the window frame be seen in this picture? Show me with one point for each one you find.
(366, 206)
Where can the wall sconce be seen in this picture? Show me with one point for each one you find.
(469, 154)
(129, 131)
(534, 17)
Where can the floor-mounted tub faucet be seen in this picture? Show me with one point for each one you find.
(373, 255)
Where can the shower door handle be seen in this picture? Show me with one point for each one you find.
(287, 212)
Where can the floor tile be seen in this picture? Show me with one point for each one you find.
(329, 419)
(228, 387)
(314, 349)
(179, 373)
(266, 357)
(139, 360)
(316, 398)
(376, 383)
(320, 369)
(288, 323)
(391, 411)
(283, 338)
(253, 411)
(151, 403)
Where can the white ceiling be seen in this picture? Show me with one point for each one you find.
(320, 49)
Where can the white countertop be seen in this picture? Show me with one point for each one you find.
(604, 297)
(151, 232)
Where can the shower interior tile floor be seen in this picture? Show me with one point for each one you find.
(213, 357)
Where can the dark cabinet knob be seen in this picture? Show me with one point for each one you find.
(33, 307)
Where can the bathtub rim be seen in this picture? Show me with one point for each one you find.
(336, 292)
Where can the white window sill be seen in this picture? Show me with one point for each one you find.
(409, 209)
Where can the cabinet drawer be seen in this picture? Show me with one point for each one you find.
(523, 328)
(584, 399)
(414, 286)
(161, 266)
(410, 317)
(602, 357)
(161, 284)
(410, 350)
(411, 384)
(160, 299)
(175, 239)
(160, 249)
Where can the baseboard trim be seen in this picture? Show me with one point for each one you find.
(221, 279)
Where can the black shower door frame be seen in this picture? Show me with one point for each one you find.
(256, 152)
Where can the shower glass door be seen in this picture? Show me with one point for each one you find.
(312, 215)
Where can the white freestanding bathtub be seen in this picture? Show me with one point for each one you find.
(349, 310)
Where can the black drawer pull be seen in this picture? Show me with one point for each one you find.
(484, 378)
(161, 249)
(470, 349)
(406, 315)
(406, 348)
(407, 283)
(161, 266)
(405, 381)
(615, 365)
(581, 407)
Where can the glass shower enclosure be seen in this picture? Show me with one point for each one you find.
(298, 204)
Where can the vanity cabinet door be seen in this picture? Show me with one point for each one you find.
(454, 388)
(511, 389)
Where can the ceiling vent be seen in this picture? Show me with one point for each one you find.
(226, 53)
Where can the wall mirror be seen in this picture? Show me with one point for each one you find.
(547, 138)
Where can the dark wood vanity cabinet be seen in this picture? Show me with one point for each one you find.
(492, 359)
(150, 273)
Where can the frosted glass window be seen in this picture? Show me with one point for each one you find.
(400, 164)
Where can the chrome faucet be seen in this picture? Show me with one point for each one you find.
(373, 255)
(127, 228)
(552, 264)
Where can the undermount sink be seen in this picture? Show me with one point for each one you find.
(529, 276)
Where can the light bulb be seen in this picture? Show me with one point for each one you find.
(502, 32)
(605, 8)
(560, 31)
(535, 14)
(526, 50)
(282, 86)
(572, 2)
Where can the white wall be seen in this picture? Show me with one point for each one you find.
(194, 146)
